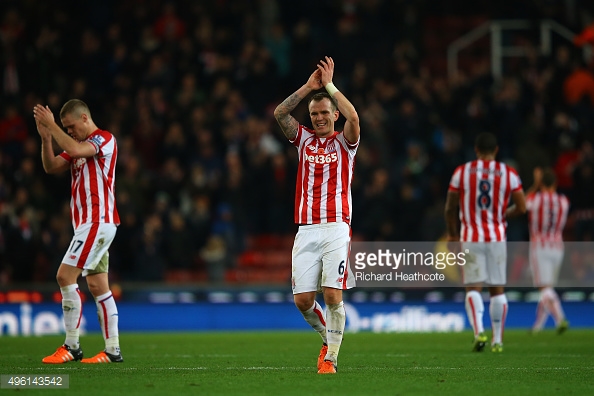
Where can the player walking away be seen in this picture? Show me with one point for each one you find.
(90, 153)
(322, 206)
(547, 215)
(482, 189)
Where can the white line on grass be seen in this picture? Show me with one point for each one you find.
(308, 368)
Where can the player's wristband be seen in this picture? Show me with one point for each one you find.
(331, 88)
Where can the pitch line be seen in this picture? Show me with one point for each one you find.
(308, 368)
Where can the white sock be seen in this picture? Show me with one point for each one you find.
(498, 311)
(542, 313)
(336, 320)
(315, 317)
(474, 310)
(108, 318)
(551, 300)
(72, 309)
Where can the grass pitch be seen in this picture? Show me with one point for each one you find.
(284, 363)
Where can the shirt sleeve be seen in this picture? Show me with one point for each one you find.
(302, 133)
(99, 140)
(350, 146)
(515, 183)
(66, 156)
(455, 180)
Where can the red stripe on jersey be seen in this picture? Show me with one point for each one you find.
(472, 186)
(110, 203)
(561, 212)
(484, 212)
(345, 184)
(316, 190)
(106, 189)
(88, 245)
(540, 219)
(323, 187)
(82, 193)
(299, 193)
(331, 213)
(93, 182)
(547, 216)
(496, 198)
(484, 189)
(304, 183)
(73, 202)
(94, 190)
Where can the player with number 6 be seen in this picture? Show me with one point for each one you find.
(322, 205)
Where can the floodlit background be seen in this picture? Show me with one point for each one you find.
(205, 179)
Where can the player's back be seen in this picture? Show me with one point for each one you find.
(485, 188)
(547, 215)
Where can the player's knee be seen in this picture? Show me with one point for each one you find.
(93, 288)
(97, 288)
(332, 296)
(302, 302)
(64, 280)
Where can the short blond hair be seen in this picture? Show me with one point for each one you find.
(75, 107)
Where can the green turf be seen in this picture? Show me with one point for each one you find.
(284, 364)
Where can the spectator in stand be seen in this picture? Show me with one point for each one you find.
(583, 200)
(206, 66)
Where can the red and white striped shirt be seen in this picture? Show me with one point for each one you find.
(93, 182)
(547, 215)
(485, 188)
(323, 192)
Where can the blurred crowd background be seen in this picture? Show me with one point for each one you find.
(189, 87)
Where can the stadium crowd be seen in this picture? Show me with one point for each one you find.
(188, 89)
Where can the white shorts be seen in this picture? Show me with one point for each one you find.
(486, 262)
(545, 263)
(321, 258)
(89, 247)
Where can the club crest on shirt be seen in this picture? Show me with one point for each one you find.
(77, 165)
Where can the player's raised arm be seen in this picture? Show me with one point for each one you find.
(73, 144)
(352, 130)
(51, 162)
(289, 125)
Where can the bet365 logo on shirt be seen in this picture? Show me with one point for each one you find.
(320, 157)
